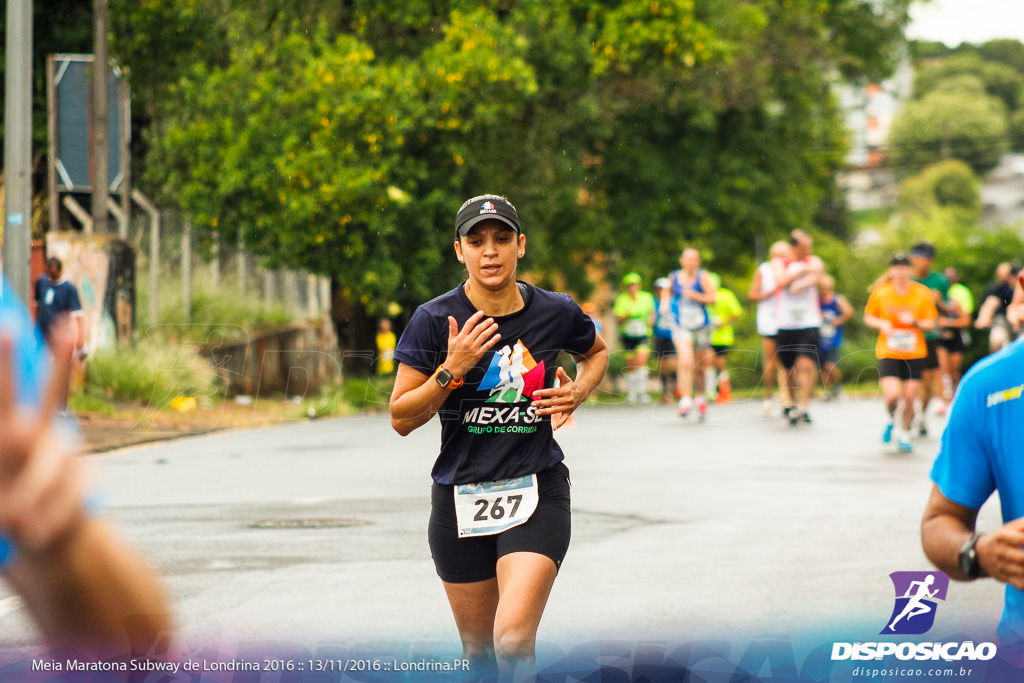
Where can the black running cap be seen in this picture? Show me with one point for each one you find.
(923, 249)
(482, 208)
(900, 258)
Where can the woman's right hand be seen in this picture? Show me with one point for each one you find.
(467, 346)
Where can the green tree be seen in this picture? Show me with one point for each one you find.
(999, 80)
(949, 186)
(1017, 131)
(1008, 51)
(341, 137)
(972, 129)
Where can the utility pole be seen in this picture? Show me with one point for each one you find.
(100, 120)
(18, 148)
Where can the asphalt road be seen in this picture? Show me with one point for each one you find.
(317, 530)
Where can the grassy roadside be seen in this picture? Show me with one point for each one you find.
(108, 423)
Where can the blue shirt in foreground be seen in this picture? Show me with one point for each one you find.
(982, 449)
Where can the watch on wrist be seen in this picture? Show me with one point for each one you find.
(446, 379)
(968, 557)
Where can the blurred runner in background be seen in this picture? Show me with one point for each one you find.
(691, 291)
(835, 311)
(765, 292)
(922, 255)
(994, 302)
(385, 348)
(724, 312)
(664, 348)
(635, 309)
(955, 336)
(901, 310)
(799, 320)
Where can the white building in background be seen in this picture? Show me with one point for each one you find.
(869, 111)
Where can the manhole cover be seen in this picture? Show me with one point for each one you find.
(305, 523)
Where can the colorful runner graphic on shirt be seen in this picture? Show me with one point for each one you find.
(513, 375)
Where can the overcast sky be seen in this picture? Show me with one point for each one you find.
(974, 21)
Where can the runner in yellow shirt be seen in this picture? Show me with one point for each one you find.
(635, 309)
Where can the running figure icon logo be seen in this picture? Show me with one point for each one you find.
(916, 595)
(513, 375)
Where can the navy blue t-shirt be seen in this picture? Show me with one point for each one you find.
(52, 299)
(488, 429)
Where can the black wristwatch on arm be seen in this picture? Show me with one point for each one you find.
(968, 557)
(446, 379)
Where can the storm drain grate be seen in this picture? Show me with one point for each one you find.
(306, 523)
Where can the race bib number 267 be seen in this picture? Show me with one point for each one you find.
(494, 506)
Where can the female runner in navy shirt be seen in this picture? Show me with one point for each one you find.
(482, 357)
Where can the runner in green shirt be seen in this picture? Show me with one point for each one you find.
(723, 313)
(955, 336)
(922, 255)
(635, 309)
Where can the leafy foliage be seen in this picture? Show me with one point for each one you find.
(972, 126)
(948, 185)
(342, 137)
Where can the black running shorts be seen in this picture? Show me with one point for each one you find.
(633, 343)
(905, 370)
(954, 343)
(467, 560)
(791, 344)
(931, 361)
(664, 347)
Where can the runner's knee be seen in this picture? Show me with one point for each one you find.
(512, 643)
(477, 651)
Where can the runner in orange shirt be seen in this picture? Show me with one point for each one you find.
(902, 311)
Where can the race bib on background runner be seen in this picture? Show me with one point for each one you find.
(902, 341)
(492, 507)
(692, 318)
(636, 328)
(828, 331)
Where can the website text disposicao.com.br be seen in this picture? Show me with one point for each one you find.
(900, 672)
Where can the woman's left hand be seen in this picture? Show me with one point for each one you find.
(559, 402)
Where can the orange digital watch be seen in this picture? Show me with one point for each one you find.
(446, 379)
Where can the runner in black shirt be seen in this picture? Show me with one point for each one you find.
(482, 357)
(994, 302)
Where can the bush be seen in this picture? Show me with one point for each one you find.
(152, 374)
(1017, 131)
(224, 309)
(946, 185)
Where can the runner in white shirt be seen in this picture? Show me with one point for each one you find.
(799, 320)
(764, 291)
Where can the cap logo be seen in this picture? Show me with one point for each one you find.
(488, 208)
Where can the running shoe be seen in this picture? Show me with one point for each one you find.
(685, 404)
(631, 399)
(768, 407)
(645, 399)
(805, 417)
(702, 408)
(887, 434)
(903, 445)
(940, 408)
(792, 414)
(922, 428)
